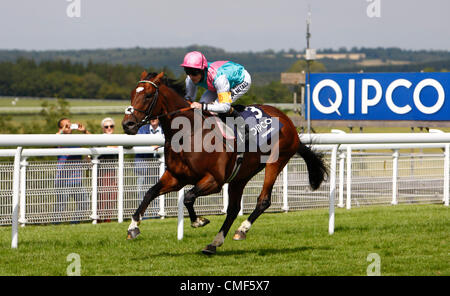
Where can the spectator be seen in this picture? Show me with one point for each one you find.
(107, 177)
(69, 177)
(147, 175)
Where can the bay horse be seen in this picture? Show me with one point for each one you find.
(155, 97)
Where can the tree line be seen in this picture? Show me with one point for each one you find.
(67, 79)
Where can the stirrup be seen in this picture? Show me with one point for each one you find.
(234, 113)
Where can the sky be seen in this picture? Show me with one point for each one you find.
(233, 25)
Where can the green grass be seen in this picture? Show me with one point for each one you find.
(410, 240)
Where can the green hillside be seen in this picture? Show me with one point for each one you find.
(265, 66)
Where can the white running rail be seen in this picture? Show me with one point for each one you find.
(340, 144)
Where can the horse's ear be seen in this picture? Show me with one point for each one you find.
(143, 75)
(159, 77)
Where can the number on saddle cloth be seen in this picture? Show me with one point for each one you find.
(262, 127)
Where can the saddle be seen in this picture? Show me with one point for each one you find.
(227, 131)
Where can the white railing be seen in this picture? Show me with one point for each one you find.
(360, 186)
(378, 141)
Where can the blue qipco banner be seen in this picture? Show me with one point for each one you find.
(380, 96)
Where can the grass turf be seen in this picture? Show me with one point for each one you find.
(410, 240)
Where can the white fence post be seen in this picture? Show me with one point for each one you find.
(341, 179)
(225, 197)
(349, 178)
(341, 172)
(180, 225)
(15, 199)
(120, 186)
(162, 168)
(94, 215)
(241, 211)
(394, 176)
(23, 191)
(285, 189)
(446, 194)
(332, 188)
(447, 175)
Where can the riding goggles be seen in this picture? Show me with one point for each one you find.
(192, 71)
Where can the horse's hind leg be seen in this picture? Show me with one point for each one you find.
(264, 199)
(205, 186)
(167, 183)
(189, 200)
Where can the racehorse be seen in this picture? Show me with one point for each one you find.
(156, 97)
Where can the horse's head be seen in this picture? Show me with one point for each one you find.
(144, 103)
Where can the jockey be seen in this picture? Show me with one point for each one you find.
(224, 81)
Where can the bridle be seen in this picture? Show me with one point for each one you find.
(130, 109)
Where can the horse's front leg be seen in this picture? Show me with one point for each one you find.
(166, 184)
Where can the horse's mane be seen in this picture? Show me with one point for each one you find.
(178, 86)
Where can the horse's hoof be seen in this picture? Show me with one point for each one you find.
(209, 250)
(200, 222)
(133, 233)
(239, 235)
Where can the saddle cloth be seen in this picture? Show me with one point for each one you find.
(262, 127)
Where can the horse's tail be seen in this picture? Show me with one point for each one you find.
(317, 168)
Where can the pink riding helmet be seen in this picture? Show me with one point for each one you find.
(195, 59)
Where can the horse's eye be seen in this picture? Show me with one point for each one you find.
(149, 96)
